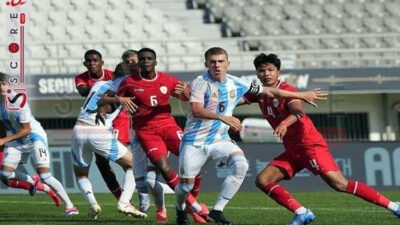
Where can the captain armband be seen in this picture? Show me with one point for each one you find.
(255, 89)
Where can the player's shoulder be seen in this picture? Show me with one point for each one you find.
(108, 74)
(84, 75)
(285, 86)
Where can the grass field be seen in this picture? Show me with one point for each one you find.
(246, 208)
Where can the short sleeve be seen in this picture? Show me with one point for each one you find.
(198, 89)
(79, 80)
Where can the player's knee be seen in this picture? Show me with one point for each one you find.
(184, 187)
(239, 166)
(5, 175)
(141, 185)
(151, 179)
(45, 176)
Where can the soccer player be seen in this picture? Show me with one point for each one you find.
(122, 128)
(214, 96)
(93, 61)
(27, 138)
(154, 126)
(304, 148)
(90, 136)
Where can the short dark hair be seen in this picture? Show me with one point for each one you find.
(128, 53)
(147, 50)
(215, 51)
(4, 77)
(93, 52)
(264, 59)
(119, 70)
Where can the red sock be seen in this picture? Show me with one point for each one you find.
(20, 184)
(196, 188)
(172, 180)
(281, 196)
(367, 193)
(117, 193)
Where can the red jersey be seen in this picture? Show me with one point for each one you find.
(152, 98)
(276, 109)
(88, 81)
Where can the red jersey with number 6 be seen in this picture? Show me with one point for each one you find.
(152, 98)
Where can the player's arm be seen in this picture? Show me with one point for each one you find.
(110, 98)
(200, 112)
(83, 90)
(23, 132)
(296, 112)
(182, 91)
(307, 96)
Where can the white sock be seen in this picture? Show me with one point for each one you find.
(180, 196)
(155, 189)
(87, 190)
(393, 206)
(22, 176)
(300, 210)
(57, 187)
(128, 187)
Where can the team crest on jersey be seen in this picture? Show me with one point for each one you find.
(232, 94)
(275, 102)
(163, 89)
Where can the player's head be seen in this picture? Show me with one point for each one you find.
(147, 60)
(216, 60)
(268, 68)
(129, 60)
(93, 61)
(119, 70)
(4, 83)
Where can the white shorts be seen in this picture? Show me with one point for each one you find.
(16, 154)
(193, 158)
(89, 139)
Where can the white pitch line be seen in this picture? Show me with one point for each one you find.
(365, 209)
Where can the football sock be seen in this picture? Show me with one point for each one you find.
(57, 187)
(86, 188)
(155, 189)
(196, 189)
(238, 166)
(129, 186)
(367, 193)
(281, 196)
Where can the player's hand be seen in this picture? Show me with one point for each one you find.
(100, 118)
(128, 103)
(315, 94)
(233, 122)
(280, 131)
(179, 88)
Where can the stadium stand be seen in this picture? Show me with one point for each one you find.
(180, 31)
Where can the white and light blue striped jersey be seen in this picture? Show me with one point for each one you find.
(116, 82)
(14, 118)
(89, 109)
(218, 97)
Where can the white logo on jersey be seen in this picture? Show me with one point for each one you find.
(163, 89)
(275, 102)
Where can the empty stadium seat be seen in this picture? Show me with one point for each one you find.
(312, 26)
(314, 11)
(334, 10)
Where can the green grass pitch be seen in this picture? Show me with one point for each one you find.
(331, 208)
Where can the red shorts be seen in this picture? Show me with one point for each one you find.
(1, 158)
(315, 157)
(156, 142)
(121, 127)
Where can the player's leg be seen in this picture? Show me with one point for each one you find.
(172, 139)
(230, 154)
(9, 173)
(41, 156)
(337, 181)
(157, 191)
(191, 160)
(267, 181)
(125, 161)
(108, 175)
(139, 171)
(81, 158)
